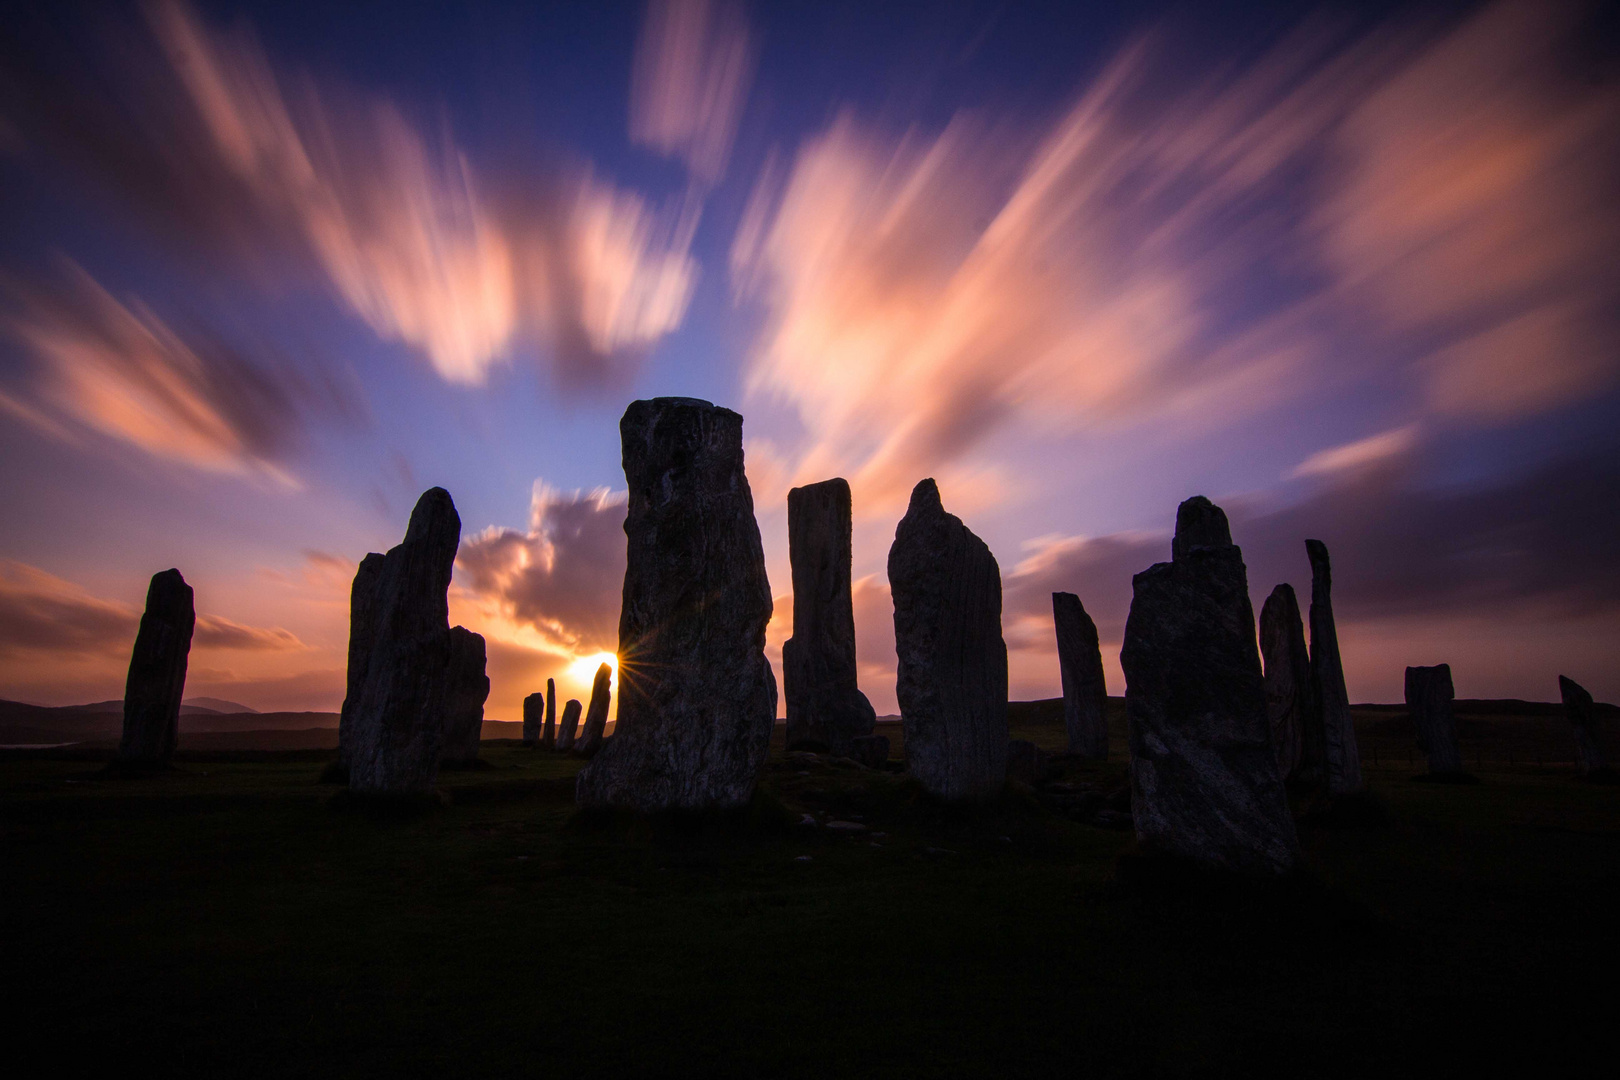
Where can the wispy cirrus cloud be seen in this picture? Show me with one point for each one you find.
(694, 62)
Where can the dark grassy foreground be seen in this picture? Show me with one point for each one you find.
(225, 919)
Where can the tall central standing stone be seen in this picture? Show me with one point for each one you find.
(952, 680)
(1340, 753)
(590, 739)
(157, 672)
(1429, 693)
(1583, 725)
(393, 719)
(697, 698)
(1204, 783)
(1290, 702)
(825, 708)
(1085, 695)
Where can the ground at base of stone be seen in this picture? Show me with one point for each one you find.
(472, 765)
(335, 772)
(122, 768)
(405, 804)
(1357, 810)
(1445, 778)
(1602, 777)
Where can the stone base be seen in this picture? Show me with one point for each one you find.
(469, 765)
(1452, 777)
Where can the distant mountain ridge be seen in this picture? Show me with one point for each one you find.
(103, 721)
(190, 706)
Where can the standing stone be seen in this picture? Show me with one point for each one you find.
(157, 672)
(534, 706)
(1340, 754)
(952, 680)
(1085, 695)
(466, 689)
(1583, 725)
(1204, 783)
(825, 708)
(1428, 698)
(396, 718)
(590, 740)
(697, 700)
(1290, 703)
(362, 632)
(548, 737)
(570, 726)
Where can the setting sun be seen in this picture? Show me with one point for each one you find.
(584, 668)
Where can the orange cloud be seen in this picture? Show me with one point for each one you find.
(692, 68)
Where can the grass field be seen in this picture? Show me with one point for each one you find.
(226, 918)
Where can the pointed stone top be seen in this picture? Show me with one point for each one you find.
(604, 673)
(551, 685)
(925, 496)
(1570, 690)
(434, 516)
(1199, 523)
(1317, 552)
(165, 583)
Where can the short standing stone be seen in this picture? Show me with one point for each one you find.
(1429, 694)
(870, 750)
(1340, 754)
(534, 707)
(548, 736)
(157, 672)
(1204, 782)
(1085, 695)
(825, 708)
(396, 725)
(952, 679)
(362, 631)
(1026, 762)
(1583, 723)
(590, 739)
(465, 691)
(698, 699)
(1290, 704)
(569, 727)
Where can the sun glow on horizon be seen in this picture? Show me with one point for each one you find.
(584, 668)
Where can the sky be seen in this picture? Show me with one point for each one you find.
(269, 271)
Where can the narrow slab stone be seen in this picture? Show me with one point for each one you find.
(534, 707)
(466, 689)
(825, 708)
(590, 740)
(548, 737)
(697, 700)
(952, 679)
(1026, 762)
(1290, 702)
(870, 750)
(362, 633)
(1429, 694)
(569, 728)
(1204, 782)
(1583, 725)
(1085, 695)
(157, 672)
(1341, 756)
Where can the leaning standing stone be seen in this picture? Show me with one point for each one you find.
(825, 708)
(1290, 710)
(466, 689)
(1085, 695)
(1204, 783)
(697, 700)
(1429, 695)
(1339, 750)
(362, 631)
(570, 727)
(157, 672)
(952, 680)
(534, 706)
(548, 737)
(590, 740)
(1583, 725)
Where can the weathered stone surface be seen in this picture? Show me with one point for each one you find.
(534, 707)
(362, 632)
(698, 699)
(1204, 782)
(952, 680)
(1085, 694)
(825, 708)
(569, 727)
(590, 739)
(1429, 695)
(396, 721)
(1340, 754)
(1290, 701)
(157, 672)
(1583, 725)
(465, 691)
(1026, 762)
(870, 750)
(548, 736)
(1199, 523)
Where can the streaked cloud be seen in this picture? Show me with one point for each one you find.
(694, 62)
(1359, 454)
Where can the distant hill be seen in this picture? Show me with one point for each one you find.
(214, 704)
(103, 721)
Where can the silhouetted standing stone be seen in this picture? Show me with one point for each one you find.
(157, 672)
(825, 708)
(1583, 725)
(1026, 762)
(1340, 753)
(697, 700)
(1085, 695)
(590, 740)
(1199, 523)
(952, 680)
(466, 689)
(534, 707)
(1290, 703)
(870, 750)
(397, 723)
(1429, 695)
(569, 728)
(362, 631)
(1204, 783)
(548, 737)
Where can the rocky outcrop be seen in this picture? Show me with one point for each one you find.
(1204, 782)
(568, 730)
(1085, 695)
(1340, 755)
(396, 714)
(1290, 702)
(698, 699)
(590, 739)
(1583, 725)
(157, 672)
(534, 709)
(548, 734)
(952, 679)
(465, 691)
(1429, 694)
(825, 708)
